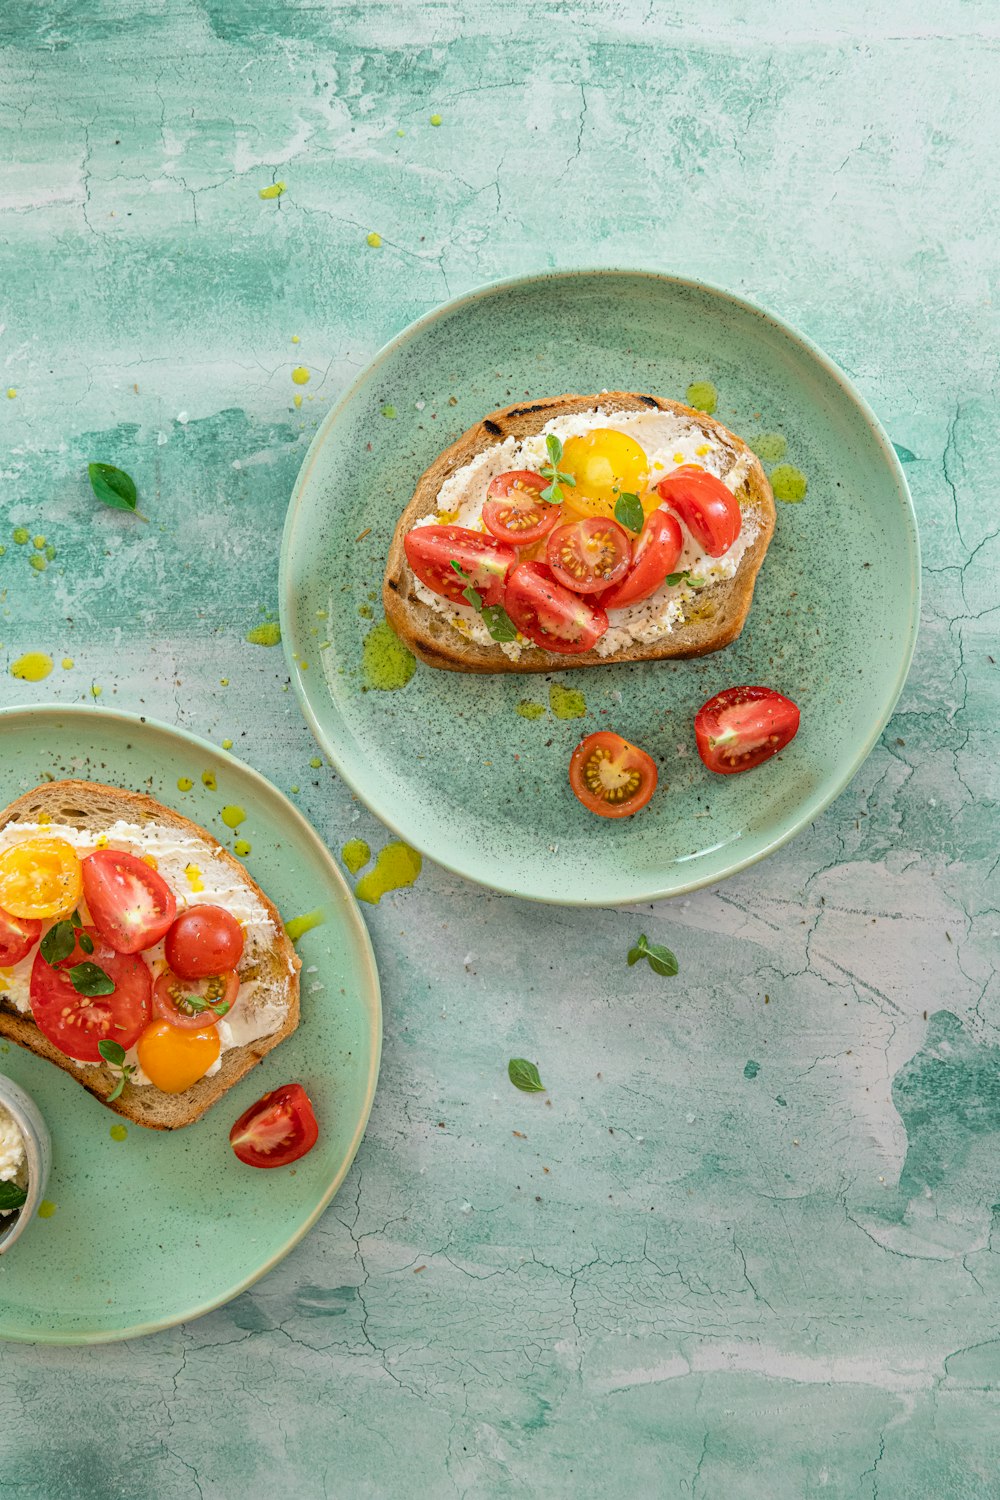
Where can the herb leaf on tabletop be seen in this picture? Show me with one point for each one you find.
(114, 488)
(660, 959)
(524, 1076)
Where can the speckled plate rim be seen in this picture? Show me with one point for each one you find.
(295, 649)
(299, 828)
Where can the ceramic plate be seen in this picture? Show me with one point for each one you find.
(164, 1225)
(448, 761)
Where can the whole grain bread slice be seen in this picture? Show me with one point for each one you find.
(717, 618)
(90, 805)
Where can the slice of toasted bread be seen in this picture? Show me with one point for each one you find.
(721, 609)
(88, 805)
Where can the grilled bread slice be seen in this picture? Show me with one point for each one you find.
(715, 621)
(88, 805)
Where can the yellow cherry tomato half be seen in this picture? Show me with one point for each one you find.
(605, 464)
(173, 1059)
(40, 878)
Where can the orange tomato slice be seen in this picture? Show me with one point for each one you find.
(39, 878)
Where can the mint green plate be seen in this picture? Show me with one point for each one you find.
(165, 1225)
(448, 762)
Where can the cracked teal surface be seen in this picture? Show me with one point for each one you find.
(674, 1274)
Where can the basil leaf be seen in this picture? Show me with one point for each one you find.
(524, 1076)
(685, 577)
(113, 486)
(90, 979)
(552, 494)
(11, 1196)
(458, 569)
(499, 623)
(122, 1077)
(553, 448)
(639, 951)
(221, 1008)
(58, 943)
(472, 598)
(661, 960)
(567, 479)
(628, 512)
(86, 941)
(112, 1052)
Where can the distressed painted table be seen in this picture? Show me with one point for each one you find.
(747, 1246)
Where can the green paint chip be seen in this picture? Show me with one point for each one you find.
(752, 1069)
(265, 635)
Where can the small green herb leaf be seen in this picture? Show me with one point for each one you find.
(524, 1076)
(689, 578)
(553, 448)
(112, 1052)
(11, 1197)
(193, 1005)
(90, 979)
(660, 959)
(58, 943)
(86, 941)
(628, 512)
(114, 487)
(499, 623)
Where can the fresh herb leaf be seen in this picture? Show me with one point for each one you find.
(553, 494)
(114, 1055)
(628, 512)
(11, 1197)
(194, 1005)
(58, 943)
(524, 1076)
(499, 623)
(689, 578)
(660, 959)
(86, 941)
(496, 619)
(115, 488)
(90, 979)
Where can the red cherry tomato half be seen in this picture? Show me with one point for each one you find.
(130, 904)
(588, 556)
(172, 997)
(549, 614)
(514, 513)
(611, 777)
(75, 1023)
(656, 554)
(431, 550)
(18, 935)
(278, 1129)
(709, 511)
(204, 940)
(742, 726)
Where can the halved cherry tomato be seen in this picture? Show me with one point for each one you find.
(174, 1058)
(204, 940)
(656, 554)
(513, 512)
(278, 1129)
(587, 556)
(40, 877)
(431, 550)
(130, 905)
(18, 935)
(75, 1023)
(611, 777)
(172, 996)
(549, 614)
(605, 464)
(708, 509)
(742, 726)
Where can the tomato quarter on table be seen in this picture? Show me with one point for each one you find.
(193, 1004)
(39, 878)
(743, 726)
(708, 509)
(656, 554)
(279, 1129)
(548, 614)
(18, 935)
(514, 513)
(610, 776)
(76, 1022)
(431, 550)
(204, 940)
(129, 903)
(588, 556)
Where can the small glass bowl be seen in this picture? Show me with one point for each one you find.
(38, 1151)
